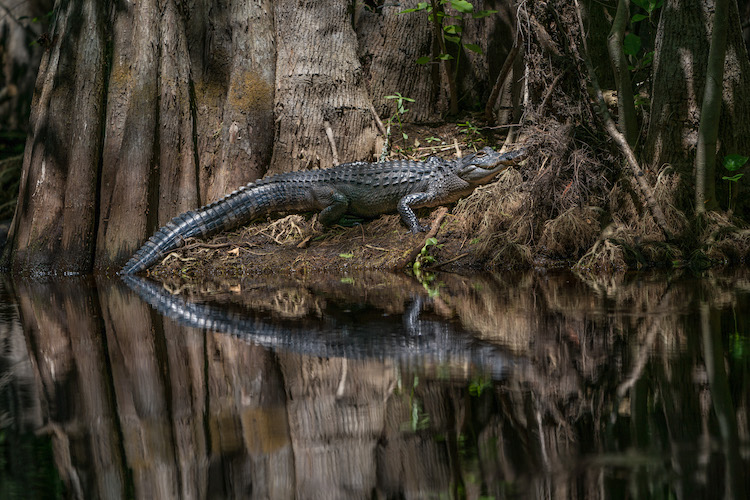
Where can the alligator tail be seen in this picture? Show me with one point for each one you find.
(232, 211)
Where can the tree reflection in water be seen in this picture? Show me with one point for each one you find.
(538, 385)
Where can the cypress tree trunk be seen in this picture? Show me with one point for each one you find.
(55, 222)
(318, 80)
(143, 110)
(681, 55)
(390, 42)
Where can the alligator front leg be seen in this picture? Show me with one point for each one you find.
(408, 215)
(331, 214)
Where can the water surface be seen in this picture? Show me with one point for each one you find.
(361, 386)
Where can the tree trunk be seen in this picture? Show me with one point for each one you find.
(318, 79)
(708, 131)
(233, 65)
(681, 55)
(55, 219)
(626, 118)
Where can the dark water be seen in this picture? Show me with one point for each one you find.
(375, 386)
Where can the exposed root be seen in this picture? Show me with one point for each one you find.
(605, 257)
(571, 233)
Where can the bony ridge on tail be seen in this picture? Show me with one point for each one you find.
(359, 188)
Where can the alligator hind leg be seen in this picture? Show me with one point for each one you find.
(333, 212)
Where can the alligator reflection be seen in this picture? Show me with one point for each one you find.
(364, 388)
(411, 342)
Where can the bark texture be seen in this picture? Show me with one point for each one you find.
(54, 225)
(318, 78)
(682, 44)
(232, 55)
(389, 42)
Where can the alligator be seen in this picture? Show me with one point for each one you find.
(360, 188)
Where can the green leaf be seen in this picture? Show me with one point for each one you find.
(734, 162)
(638, 17)
(631, 44)
(348, 281)
(346, 255)
(420, 6)
(439, 15)
(453, 29)
(424, 60)
(474, 48)
(453, 39)
(483, 13)
(405, 135)
(652, 6)
(445, 57)
(462, 6)
(643, 4)
(430, 241)
(733, 178)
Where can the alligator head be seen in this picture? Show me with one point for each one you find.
(481, 170)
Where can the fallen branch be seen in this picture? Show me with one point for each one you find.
(548, 93)
(402, 263)
(454, 259)
(378, 122)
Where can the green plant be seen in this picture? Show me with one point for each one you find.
(450, 32)
(473, 134)
(649, 6)
(739, 343)
(478, 385)
(400, 112)
(419, 419)
(632, 43)
(732, 163)
(424, 259)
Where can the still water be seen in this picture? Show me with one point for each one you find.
(375, 386)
